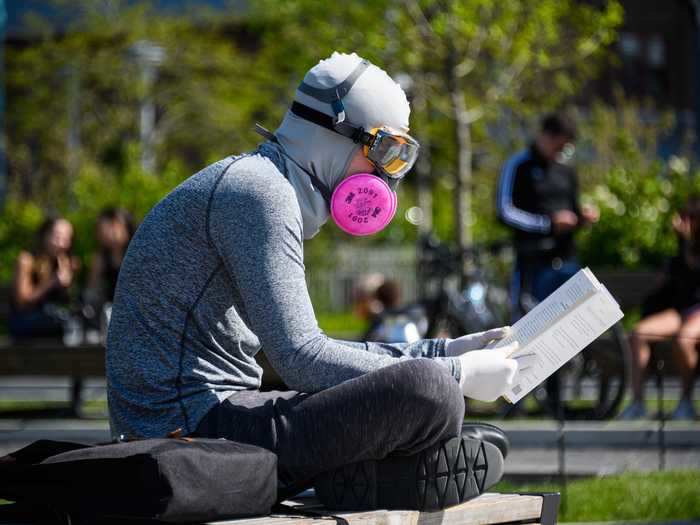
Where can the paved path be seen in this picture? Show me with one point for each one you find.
(608, 434)
(538, 462)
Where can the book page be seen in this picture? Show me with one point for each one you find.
(553, 308)
(565, 338)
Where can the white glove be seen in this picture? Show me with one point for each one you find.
(477, 341)
(488, 374)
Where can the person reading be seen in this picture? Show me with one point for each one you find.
(215, 274)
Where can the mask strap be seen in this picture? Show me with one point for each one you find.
(316, 182)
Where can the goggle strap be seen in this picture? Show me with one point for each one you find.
(357, 135)
(329, 95)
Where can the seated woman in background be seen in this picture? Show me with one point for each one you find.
(672, 311)
(114, 229)
(42, 282)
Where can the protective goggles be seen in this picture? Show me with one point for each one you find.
(391, 151)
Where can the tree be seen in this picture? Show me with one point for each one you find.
(74, 97)
(477, 59)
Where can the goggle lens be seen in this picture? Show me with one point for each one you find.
(394, 154)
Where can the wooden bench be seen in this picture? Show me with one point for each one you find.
(50, 357)
(487, 509)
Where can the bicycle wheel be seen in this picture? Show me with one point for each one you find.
(592, 384)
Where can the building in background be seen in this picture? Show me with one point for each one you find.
(657, 58)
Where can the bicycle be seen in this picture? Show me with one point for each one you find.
(460, 296)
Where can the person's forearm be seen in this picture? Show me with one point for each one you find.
(323, 362)
(421, 348)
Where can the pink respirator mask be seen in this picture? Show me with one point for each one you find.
(363, 204)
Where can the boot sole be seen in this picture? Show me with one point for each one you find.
(447, 474)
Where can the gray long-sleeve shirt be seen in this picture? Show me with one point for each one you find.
(215, 273)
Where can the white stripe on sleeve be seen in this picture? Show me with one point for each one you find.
(516, 217)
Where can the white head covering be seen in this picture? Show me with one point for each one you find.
(374, 100)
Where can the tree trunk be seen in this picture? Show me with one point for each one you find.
(73, 134)
(424, 188)
(463, 168)
(463, 201)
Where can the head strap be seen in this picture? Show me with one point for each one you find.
(334, 95)
(331, 94)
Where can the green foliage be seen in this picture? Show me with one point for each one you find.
(512, 59)
(508, 54)
(97, 187)
(87, 84)
(473, 62)
(93, 189)
(635, 192)
(17, 234)
(343, 325)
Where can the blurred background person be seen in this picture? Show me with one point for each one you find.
(43, 279)
(113, 230)
(366, 305)
(389, 294)
(672, 311)
(385, 326)
(538, 198)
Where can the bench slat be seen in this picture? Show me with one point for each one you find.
(52, 359)
(485, 510)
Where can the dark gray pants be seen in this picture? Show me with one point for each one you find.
(400, 409)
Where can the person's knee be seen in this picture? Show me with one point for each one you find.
(434, 392)
(638, 336)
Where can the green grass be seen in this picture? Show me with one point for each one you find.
(654, 496)
(93, 407)
(344, 325)
(15, 404)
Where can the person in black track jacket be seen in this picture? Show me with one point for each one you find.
(538, 198)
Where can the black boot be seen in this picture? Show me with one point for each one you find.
(487, 432)
(446, 474)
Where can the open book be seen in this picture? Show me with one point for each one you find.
(559, 327)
